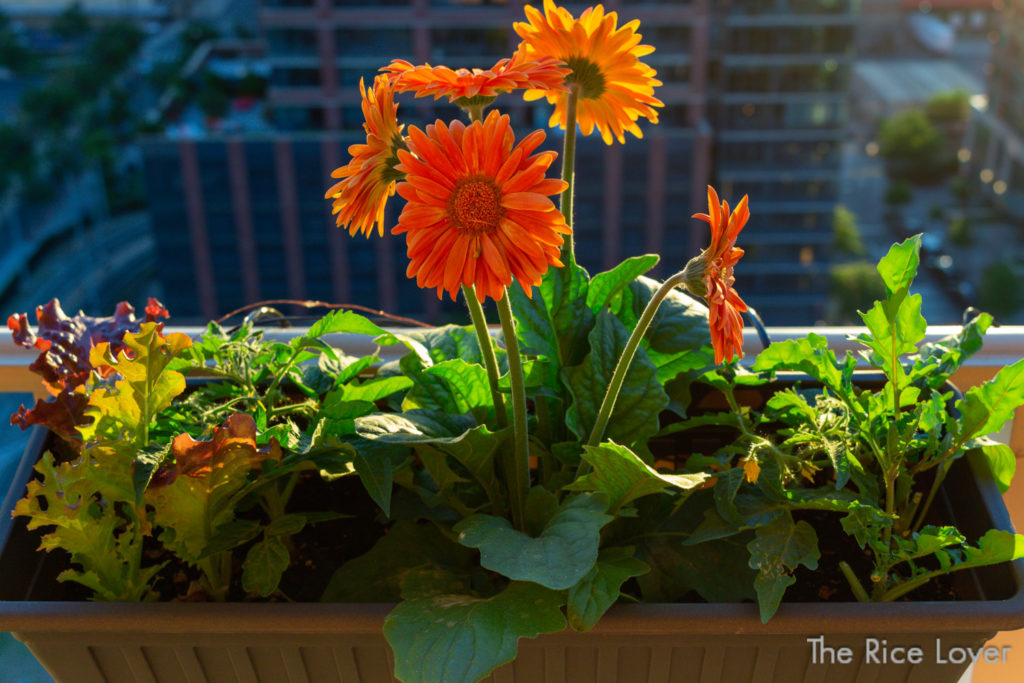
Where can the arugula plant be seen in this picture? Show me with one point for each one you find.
(877, 457)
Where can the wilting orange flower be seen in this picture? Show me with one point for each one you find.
(478, 211)
(464, 85)
(615, 87)
(369, 178)
(711, 275)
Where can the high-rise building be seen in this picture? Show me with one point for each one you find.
(994, 144)
(754, 94)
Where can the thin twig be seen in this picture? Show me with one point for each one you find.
(321, 304)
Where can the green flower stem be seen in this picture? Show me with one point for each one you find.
(476, 312)
(517, 470)
(626, 359)
(569, 169)
(855, 584)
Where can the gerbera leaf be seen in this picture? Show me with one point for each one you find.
(604, 287)
(556, 323)
(460, 638)
(640, 401)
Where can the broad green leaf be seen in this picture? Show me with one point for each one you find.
(374, 389)
(468, 385)
(263, 566)
(776, 551)
(640, 401)
(899, 266)
(677, 340)
(374, 467)
(623, 477)
(607, 285)
(555, 321)
(1001, 460)
(474, 450)
(413, 426)
(677, 569)
(893, 334)
(461, 639)
(343, 322)
(599, 589)
(451, 342)
(147, 460)
(376, 576)
(231, 535)
(986, 409)
(562, 555)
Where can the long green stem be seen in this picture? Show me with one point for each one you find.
(855, 584)
(625, 360)
(517, 469)
(569, 168)
(476, 312)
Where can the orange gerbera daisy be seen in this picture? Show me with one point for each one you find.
(710, 275)
(369, 179)
(615, 88)
(478, 211)
(467, 87)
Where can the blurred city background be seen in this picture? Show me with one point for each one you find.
(181, 148)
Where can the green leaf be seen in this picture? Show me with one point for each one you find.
(147, 460)
(562, 555)
(640, 401)
(812, 355)
(461, 639)
(376, 576)
(374, 467)
(374, 390)
(555, 321)
(453, 342)
(994, 547)
(413, 426)
(468, 386)
(776, 551)
(343, 322)
(986, 409)
(677, 340)
(263, 566)
(599, 589)
(606, 286)
(899, 266)
(1001, 460)
(624, 477)
(231, 535)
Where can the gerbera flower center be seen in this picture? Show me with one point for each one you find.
(587, 76)
(475, 206)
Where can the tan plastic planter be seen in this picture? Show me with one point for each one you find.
(90, 642)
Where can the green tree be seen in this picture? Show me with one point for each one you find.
(1000, 293)
(911, 146)
(113, 46)
(13, 55)
(18, 156)
(853, 287)
(50, 106)
(71, 23)
(846, 236)
(950, 106)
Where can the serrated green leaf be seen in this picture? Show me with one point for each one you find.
(640, 401)
(147, 460)
(468, 386)
(1001, 460)
(231, 535)
(623, 477)
(451, 342)
(591, 597)
(555, 321)
(558, 558)
(461, 639)
(994, 547)
(899, 266)
(810, 354)
(263, 566)
(607, 285)
(985, 409)
(776, 551)
(286, 525)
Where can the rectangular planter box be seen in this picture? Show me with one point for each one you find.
(95, 642)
